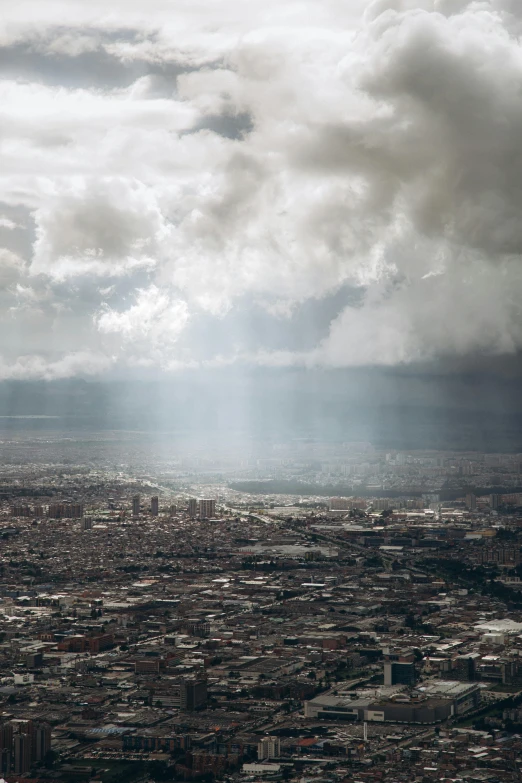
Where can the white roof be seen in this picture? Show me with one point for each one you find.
(500, 626)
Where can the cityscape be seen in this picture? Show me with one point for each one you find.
(261, 391)
(186, 619)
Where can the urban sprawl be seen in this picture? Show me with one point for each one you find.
(319, 613)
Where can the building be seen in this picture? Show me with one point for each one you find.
(207, 509)
(147, 666)
(6, 747)
(192, 508)
(465, 667)
(340, 504)
(154, 505)
(471, 501)
(136, 506)
(197, 627)
(34, 660)
(494, 502)
(508, 556)
(268, 748)
(399, 673)
(261, 770)
(40, 742)
(65, 510)
(436, 702)
(463, 696)
(193, 694)
(22, 753)
(86, 523)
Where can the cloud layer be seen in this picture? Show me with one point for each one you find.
(180, 184)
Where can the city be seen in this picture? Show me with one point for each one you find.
(261, 391)
(197, 631)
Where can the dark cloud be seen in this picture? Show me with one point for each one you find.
(227, 125)
(96, 69)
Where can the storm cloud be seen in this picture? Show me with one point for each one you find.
(181, 184)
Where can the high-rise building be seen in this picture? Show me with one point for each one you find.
(340, 504)
(268, 748)
(465, 668)
(136, 506)
(22, 753)
(23, 743)
(193, 694)
(494, 502)
(6, 747)
(65, 510)
(40, 741)
(471, 501)
(154, 505)
(173, 509)
(87, 523)
(207, 508)
(192, 508)
(399, 673)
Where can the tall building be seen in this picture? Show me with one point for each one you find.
(65, 510)
(56, 510)
(154, 505)
(471, 501)
(193, 694)
(340, 504)
(268, 748)
(207, 509)
(192, 508)
(508, 556)
(6, 747)
(399, 673)
(494, 502)
(136, 506)
(22, 753)
(40, 741)
(87, 523)
(465, 668)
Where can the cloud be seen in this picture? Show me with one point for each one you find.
(34, 367)
(154, 320)
(263, 156)
(12, 268)
(104, 228)
(7, 223)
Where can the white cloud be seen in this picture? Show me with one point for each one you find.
(150, 327)
(383, 152)
(33, 367)
(12, 268)
(103, 228)
(7, 223)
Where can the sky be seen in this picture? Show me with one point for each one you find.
(288, 184)
(264, 195)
